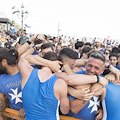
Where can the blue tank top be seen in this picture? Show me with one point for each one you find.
(39, 100)
(10, 85)
(112, 101)
(89, 110)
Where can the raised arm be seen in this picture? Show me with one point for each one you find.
(81, 62)
(25, 46)
(37, 60)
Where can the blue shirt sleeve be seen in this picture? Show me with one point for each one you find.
(71, 97)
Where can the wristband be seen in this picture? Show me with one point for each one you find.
(34, 47)
(28, 42)
(98, 78)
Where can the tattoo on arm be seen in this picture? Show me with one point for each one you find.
(2, 106)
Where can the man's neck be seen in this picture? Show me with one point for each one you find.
(12, 70)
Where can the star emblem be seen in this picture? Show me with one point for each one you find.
(16, 96)
(94, 103)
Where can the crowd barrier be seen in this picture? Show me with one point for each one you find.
(10, 113)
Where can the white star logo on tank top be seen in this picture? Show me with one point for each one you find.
(16, 96)
(94, 103)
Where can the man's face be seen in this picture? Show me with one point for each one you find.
(71, 63)
(97, 44)
(113, 60)
(94, 66)
(3, 69)
(109, 47)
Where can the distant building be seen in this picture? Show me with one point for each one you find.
(6, 23)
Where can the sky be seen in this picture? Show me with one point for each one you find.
(86, 18)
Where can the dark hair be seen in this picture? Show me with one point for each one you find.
(79, 44)
(37, 41)
(67, 52)
(46, 45)
(115, 50)
(113, 55)
(50, 56)
(85, 50)
(11, 55)
(88, 43)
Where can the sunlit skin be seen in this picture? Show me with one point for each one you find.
(94, 67)
(70, 62)
(113, 60)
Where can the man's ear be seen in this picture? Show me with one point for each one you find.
(4, 62)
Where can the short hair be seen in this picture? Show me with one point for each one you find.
(113, 55)
(98, 55)
(50, 56)
(69, 53)
(88, 43)
(46, 45)
(37, 41)
(115, 50)
(85, 50)
(79, 44)
(11, 55)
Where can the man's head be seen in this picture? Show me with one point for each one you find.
(79, 45)
(95, 64)
(85, 51)
(113, 59)
(109, 47)
(68, 56)
(50, 56)
(97, 43)
(46, 47)
(7, 58)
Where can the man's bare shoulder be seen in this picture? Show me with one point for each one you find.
(61, 84)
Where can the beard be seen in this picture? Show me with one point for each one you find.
(3, 69)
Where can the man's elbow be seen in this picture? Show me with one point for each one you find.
(74, 111)
(65, 111)
(68, 81)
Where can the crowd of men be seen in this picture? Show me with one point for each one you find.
(44, 76)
